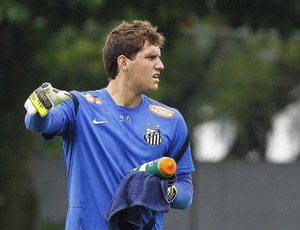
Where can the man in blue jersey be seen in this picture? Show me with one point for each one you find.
(110, 131)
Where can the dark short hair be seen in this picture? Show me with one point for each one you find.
(127, 39)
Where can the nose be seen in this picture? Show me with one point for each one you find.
(159, 65)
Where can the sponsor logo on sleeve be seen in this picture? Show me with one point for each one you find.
(92, 99)
(161, 111)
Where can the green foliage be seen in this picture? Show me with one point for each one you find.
(73, 58)
(240, 79)
(282, 15)
(14, 12)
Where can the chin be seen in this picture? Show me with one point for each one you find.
(151, 90)
(154, 89)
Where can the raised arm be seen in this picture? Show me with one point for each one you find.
(42, 115)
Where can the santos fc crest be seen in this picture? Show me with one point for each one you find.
(153, 136)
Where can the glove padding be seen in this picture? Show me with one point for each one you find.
(44, 98)
(172, 192)
(172, 189)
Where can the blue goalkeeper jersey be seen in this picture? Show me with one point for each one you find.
(103, 142)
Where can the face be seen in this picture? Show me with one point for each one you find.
(144, 70)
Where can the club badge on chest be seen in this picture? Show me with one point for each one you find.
(153, 136)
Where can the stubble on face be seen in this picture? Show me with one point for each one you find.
(144, 70)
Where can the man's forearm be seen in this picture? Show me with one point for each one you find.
(184, 195)
(51, 123)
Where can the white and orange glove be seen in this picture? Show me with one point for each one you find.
(44, 98)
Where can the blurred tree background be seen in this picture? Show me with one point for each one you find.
(240, 58)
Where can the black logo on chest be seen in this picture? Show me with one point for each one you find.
(153, 136)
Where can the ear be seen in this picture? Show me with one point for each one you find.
(122, 63)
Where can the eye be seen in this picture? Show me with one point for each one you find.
(151, 57)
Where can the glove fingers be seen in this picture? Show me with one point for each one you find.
(44, 98)
(61, 96)
(55, 95)
(31, 109)
(46, 86)
(172, 179)
(172, 193)
(40, 101)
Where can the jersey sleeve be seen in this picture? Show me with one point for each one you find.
(181, 145)
(184, 195)
(65, 116)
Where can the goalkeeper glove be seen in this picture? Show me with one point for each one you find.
(44, 98)
(172, 189)
(172, 192)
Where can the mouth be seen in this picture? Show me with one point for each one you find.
(155, 76)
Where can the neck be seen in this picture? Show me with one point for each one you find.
(122, 95)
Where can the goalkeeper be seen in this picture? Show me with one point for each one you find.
(108, 132)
